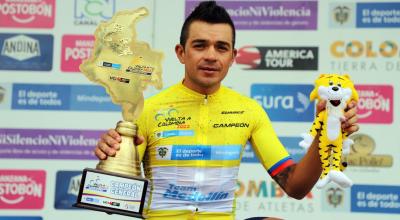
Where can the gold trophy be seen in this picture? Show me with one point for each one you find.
(124, 66)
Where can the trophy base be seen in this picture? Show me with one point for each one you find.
(112, 193)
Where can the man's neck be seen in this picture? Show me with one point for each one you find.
(200, 89)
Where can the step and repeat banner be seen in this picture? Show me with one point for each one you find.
(51, 116)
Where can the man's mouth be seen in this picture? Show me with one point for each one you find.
(208, 69)
(335, 102)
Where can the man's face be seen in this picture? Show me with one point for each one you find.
(207, 55)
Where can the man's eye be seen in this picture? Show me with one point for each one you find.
(198, 46)
(222, 48)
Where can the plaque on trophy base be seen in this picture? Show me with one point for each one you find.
(112, 193)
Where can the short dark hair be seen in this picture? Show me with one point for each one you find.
(210, 12)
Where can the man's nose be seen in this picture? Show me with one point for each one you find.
(210, 54)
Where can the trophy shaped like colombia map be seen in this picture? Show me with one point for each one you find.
(122, 64)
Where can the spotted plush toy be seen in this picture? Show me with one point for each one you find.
(338, 91)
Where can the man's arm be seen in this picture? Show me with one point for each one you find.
(297, 180)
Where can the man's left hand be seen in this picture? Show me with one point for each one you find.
(349, 124)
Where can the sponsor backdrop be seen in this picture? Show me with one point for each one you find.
(51, 116)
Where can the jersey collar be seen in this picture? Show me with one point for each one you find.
(199, 95)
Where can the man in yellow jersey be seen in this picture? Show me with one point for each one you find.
(193, 133)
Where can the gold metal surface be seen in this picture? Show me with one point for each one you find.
(124, 66)
(126, 161)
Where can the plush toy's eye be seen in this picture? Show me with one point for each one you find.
(331, 83)
(340, 85)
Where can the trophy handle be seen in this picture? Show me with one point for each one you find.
(126, 161)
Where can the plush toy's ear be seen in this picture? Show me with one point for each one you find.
(321, 75)
(314, 94)
(347, 76)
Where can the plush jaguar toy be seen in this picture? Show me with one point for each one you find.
(338, 91)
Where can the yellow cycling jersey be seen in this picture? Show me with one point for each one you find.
(193, 148)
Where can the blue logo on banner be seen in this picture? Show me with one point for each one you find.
(40, 96)
(206, 152)
(375, 15)
(20, 218)
(67, 189)
(26, 52)
(61, 97)
(290, 143)
(285, 102)
(91, 98)
(375, 198)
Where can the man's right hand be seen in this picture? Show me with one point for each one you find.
(108, 144)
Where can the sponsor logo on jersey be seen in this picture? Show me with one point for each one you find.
(231, 125)
(162, 151)
(231, 112)
(192, 193)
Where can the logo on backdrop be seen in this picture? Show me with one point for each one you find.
(291, 144)
(278, 58)
(284, 102)
(365, 55)
(341, 14)
(364, 15)
(75, 49)
(22, 189)
(20, 218)
(375, 199)
(2, 94)
(47, 144)
(335, 199)
(61, 97)
(26, 52)
(269, 15)
(361, 153)
(375, 104)
(266, 196)
(92, 12)
(27, 13)
(67, 189)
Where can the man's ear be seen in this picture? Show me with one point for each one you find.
(234, 53)
(180, 53)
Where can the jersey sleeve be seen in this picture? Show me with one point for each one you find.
(269, 150)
